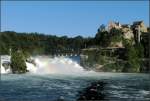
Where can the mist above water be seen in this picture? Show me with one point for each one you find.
(56, 65)
(49, 65)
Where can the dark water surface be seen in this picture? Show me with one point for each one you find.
(27, 87)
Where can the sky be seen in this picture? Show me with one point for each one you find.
(69, 18)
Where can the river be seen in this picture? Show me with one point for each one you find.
(52, 86)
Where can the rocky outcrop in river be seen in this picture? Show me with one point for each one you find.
(94, 92)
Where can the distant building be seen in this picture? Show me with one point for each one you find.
(138, 27)
(116, 25)
(125, 28)
(127, 32)
(130, 31)
(141, 25)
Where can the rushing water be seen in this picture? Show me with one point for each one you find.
(54, 85)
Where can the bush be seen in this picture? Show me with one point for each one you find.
(18, 64)
(102, 39)
(100, 59)
(133, 59)
(116, 35)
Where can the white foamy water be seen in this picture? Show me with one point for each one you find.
(119, 86)
(47, 65)
(56, 65)
(5, 59)
(5, 71)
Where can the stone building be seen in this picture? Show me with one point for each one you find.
(127, 32)
(141, 25)
(126, 29)
(138, 27)
(130, 31)
(116, 25)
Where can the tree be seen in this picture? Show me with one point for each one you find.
(133, 63)
(140, 50)
(116, 35)
(18, 64)
(102, 38)
(101, 28)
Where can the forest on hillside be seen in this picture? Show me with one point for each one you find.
(29, 44)
(36, 43)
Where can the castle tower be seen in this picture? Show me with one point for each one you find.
(138, 33)
(138, 27)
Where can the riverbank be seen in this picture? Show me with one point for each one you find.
(114, 60)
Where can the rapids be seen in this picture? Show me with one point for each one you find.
(64, 77)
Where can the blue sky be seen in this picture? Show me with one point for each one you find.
(69, 18)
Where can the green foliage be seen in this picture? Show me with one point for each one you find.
(116, 38)
(95, 57)
(113, 67)
(91, 57)
(26, 55)
(133, 59)
(3, 49)
(140, 50)
(116, 35)
(100, 59)
(102, 38)
(36, 43)
(115, 31)
(127, 42)
(145, 38)
(18, 64)
(134, 54)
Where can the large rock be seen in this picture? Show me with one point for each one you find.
(93, 92)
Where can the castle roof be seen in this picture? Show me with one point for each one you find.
(137, 22)
(125, 26)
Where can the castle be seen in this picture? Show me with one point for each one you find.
(133, 31)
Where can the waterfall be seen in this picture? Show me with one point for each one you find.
(5, 64)
(4, 70)
(49, 65)
(56, 65)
